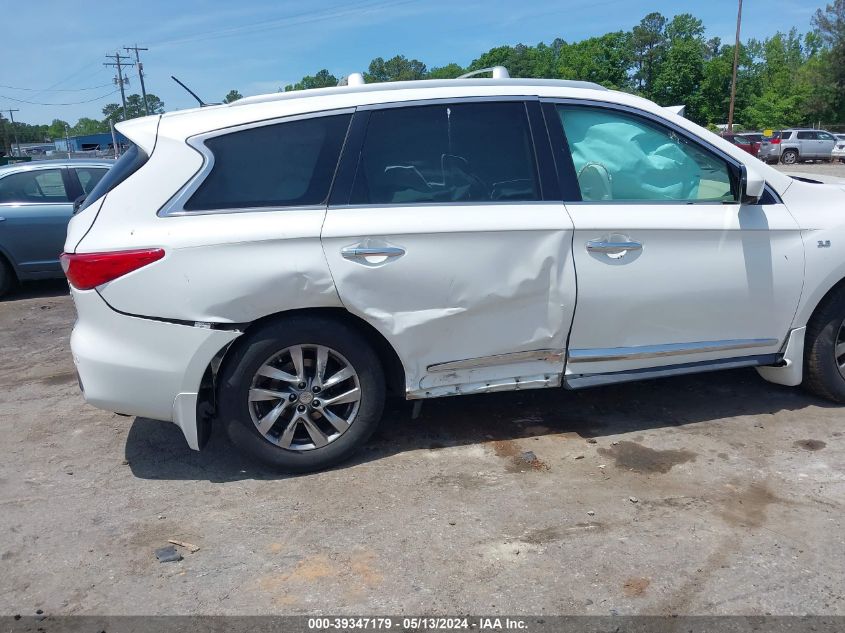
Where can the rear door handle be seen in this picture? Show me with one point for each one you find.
(613, 248)
(357, 252)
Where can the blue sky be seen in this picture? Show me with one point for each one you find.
(214, 46)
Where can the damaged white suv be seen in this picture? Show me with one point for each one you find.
(280, 264)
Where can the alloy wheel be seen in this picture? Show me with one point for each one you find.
(304, 397)
(839, 349)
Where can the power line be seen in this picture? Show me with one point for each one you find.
(58, 104)
(297, 18)
(56, 89)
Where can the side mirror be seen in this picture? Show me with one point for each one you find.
(751, 185)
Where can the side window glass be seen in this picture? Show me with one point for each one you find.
(460, 152)
(622, 157)
(284, 164)
(806, 136)
(43, 185)
(89, 177)
(824, 136)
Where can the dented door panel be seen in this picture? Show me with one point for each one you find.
(473, 281)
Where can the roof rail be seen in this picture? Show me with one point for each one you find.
(499, 72)
(352, 79)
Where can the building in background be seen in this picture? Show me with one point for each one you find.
(90, 143)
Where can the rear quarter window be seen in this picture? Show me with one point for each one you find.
(283, 164)
(126, 165)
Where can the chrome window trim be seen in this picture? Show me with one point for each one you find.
(175, 207)
(388, 105)
(457, 203)
(36, 204)
(659, 120)
(592, 355)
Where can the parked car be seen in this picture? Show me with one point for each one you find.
(838, 152)
(36, 203)
(743, 141)
(795, 145)
(756, 137)
(279, 264)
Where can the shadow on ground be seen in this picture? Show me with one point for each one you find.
(36, 289)
(157, 450)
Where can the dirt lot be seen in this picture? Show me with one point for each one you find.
(717, 494)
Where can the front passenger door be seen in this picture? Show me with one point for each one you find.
(672, 269)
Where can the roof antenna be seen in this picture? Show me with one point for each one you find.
(192, 93)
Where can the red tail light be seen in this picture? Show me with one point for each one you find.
(775, 141)
(88, 270)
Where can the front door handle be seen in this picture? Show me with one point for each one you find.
(2, 219)
(613, 248)
(357, 252)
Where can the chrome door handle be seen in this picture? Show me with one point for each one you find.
(2, 219)
(356, 252)
(613, 248)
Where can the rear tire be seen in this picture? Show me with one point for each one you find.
(824, 349)
(269, 404)
(7, 277)
(789, 157)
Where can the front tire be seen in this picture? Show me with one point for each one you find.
(824, 349)
(302, 394)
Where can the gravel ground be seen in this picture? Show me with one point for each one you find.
(823, 169)
(717, 494)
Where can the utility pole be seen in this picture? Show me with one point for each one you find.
(6, 146)
(140, 68)
(14, 129)
(121, 78)
(736, 63)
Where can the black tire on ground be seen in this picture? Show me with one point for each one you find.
(789, 157)
(821, 369)
(271, 338)
(7, 277)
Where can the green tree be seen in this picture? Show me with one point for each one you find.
(86, 125)
(520, 60)
(57, 129)
(449, 71)
(398, 68)
(232, 95)
(605, 60)
(648, 43)
(134, 108)
(323, 79)
(829, 24)
(681, 69)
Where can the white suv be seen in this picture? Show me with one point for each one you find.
(280, 264)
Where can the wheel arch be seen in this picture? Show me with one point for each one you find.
(394, 370)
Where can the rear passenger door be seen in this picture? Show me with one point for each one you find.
(35, 207)
(808, 145)
(445, 232)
